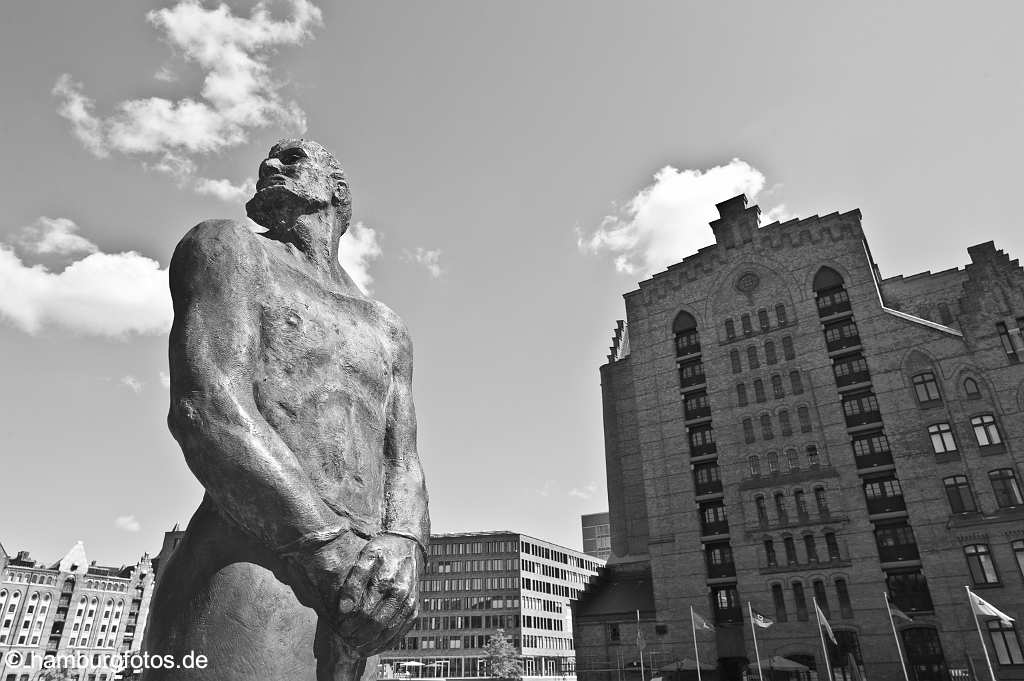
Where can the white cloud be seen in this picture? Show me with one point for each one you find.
(430, 259)
(225, 190)
(585, 493)
(546, 489)
(357, 249)
(102, 294)
(238, 93)
(132, 383)
(165, 379)
(54, 236)
(668, 219)
(166, 74)
(128, 523)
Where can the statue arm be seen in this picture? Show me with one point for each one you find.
(405, 512)
(246, 468)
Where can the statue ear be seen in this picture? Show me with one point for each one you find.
(340, 193)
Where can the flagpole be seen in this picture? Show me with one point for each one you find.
(696, 652)
(753, 632)
(824, 650)
(638, 639)
(899, 648)
(974, 614)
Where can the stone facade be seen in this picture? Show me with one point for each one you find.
(478, 582)
(783, 425)
(596, 535)
(70, 607)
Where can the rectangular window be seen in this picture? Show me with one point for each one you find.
(752, 359)
(801, 601)
(762, 319)
(780, 314)
(860, 408)
(784, 424)
(790, 546)
(1018, 554)
(787, 348)
(1004, 484)
(748, 431)
(745, 323)
(1008, 346)
(759, 390)
(734, 357)
(841, 334)
(780, 603)
(845, 606)
(986, 430)
(730, 329)
(958, 492)
(832, 544)
(1005, 642)
(979, 562)
(766, 427)
(769, 553)
(741, 394)
(942, 438)
(926, 388)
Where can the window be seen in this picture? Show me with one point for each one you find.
(813, 460)
(1005, 642)
(762, 509)
(769, 352)
(860, 408)
(958, 491)
(752, 357)
(702, 439)
(780, 506)
(820, 500)
(801, 601)
(734, 357)
(790, 547)
(1004, 484)
(766, 427)
(780, 603)
(777, 390)
(971, 388)
(942, 438)
(784, 425)
(759, 390)
(822, 597)
(787, 347)
(986, 430)
(811, 547)
(769, 553)
(803, 415)
(926, 388)
(832, 545)
(792, 462)
(1008, 346)
(1018, 553)
(780, 314)
(800, 501)
(730, 329)
(748, 431)
(695, 405)
(843, 594)
(841, 334)
(741, 394)
(755, 465)
(796, 383)
(762, 319)
(979, 562)
(773, 462)
(745, 322)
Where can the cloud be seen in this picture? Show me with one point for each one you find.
(128, 523)
(546, 489)
(668, 219)
(53, 236)
(165, 379)
(357, 249)
(585, 493)
(430, 259)
(238, 93)
(132, 383)
(225, 190)
(101, 294)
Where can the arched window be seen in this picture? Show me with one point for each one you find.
(971, 388)
(777, 390)
(762, 319)
(795, 382)
(730, 329)
(755, 465)
(766, 427)
(812, 549)
(734, 357)
(748, 430)
(684, 328)
(784, 425)
(800, 599)
(829, 291)
(771, 560)
(780, 314)
(762, 509)
(832, 544)
(773, 462)
(759, 390)
(752, 357)
(803, 415)
(741, 394)
(780, 603)
(821, 501)
(821, 596)
(745, 323)
(787, 347)
(769, 352)
(792, 462)
(790, 546)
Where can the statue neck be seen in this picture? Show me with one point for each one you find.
(315, 236)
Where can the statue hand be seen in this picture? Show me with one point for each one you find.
(378, 601)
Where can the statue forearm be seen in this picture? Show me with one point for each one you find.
(406, 501)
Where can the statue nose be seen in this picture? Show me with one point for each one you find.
(270, 166)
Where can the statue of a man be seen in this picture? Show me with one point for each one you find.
(291, 398)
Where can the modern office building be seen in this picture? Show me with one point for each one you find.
(596, 535)
(476, 583)
(73, 606)
(783, 425)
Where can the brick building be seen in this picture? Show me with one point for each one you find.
(478, 582)
(73, 606)
(596, 535)
(783, 424)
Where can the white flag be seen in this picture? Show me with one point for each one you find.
(983, 607)
(822, 622)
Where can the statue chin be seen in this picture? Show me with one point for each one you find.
(273, 205)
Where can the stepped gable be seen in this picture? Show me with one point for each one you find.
(994, 285)
(620, 342)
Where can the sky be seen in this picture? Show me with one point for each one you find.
(515, 166)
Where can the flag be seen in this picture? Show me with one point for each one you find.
(822, 622)
(760, 619)
(983, 607)
(701, 623)
(896, 612)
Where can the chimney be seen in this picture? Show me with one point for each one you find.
(736, 223)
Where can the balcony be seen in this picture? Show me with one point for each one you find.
(886, 505)
(691, 374)
(717, 570)
(707, 487)
(832, 302)
(696, 407)
(873, 460)
(709, 528)
(852, 378)
(687, 344)
(703, 449)
(912, 601)
(900, 552)
(728, 615)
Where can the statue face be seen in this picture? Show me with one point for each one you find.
(298, 176)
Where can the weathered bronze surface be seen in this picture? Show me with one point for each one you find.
(291, 398)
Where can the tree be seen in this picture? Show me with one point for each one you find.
(502, 658)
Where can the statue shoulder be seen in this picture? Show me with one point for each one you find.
(395, 328)
(218, 248)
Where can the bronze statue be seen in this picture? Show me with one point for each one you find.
(291, 398)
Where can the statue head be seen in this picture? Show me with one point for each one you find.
(297, 178)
